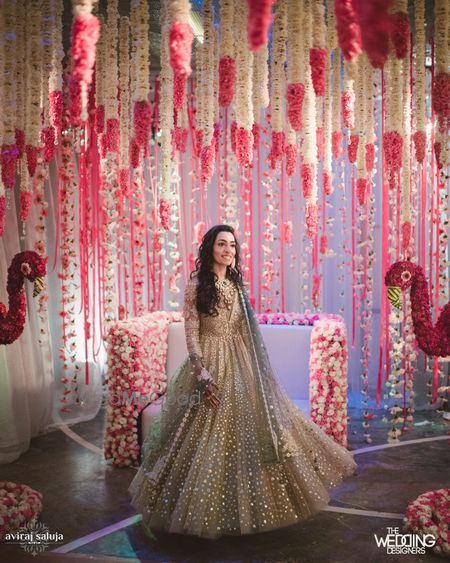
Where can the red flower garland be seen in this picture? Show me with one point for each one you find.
(179, 139)
(278, 145)
(441, 99)
(124, 181)
(227, 79)
(233, 129)
(31, 153)
(20, 140)
(142, 116)
(406, 235)
(311, 219)
(48, 140)
(134, 153)
(2, 214)
(55, 99)
(393, 146)
(9, 156)
(375, 23)
(420, 145)
(259, 20)
(307, 174)
(244, 146)
(294, 97)
(327, 186)
(256, 130)
(323, 244)
(347, 25)
(318, 62)
(179, 87)
(99, 119)
(400, 34)
(110, 140)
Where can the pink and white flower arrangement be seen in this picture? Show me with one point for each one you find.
(328, 377)
(19, 504)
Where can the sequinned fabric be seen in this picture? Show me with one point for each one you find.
(204, 471)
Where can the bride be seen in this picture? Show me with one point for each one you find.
(244, 459)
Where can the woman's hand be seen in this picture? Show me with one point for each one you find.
(210, 396)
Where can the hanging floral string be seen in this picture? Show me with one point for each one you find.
(166, 125)
(392, 138)
(100, 79)
(208, 151)
(85, 34)
(20, 64)
(124, 93)
(260, 89)
(318, 53)
(227, 62)
(259, 19)
(278, 78)
(406, 225)
(180, 44)
(55, 96)
(140, 78)
(244, 109)
(348, 29)
(441, 85)
(420, 136)
(9, 149)
(296, 67)
(375, 25)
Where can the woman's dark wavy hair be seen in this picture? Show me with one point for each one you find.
(207, 296)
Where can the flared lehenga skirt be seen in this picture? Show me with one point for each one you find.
(210, 479)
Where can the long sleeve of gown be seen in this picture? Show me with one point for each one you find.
(192, 320)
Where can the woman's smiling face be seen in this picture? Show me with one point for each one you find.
(224, 249)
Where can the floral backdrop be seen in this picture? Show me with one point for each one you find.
(317, 129)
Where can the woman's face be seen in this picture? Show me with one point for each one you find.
(224, 249)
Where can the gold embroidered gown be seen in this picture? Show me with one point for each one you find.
(203, 474)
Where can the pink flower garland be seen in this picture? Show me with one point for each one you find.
(370, 157)
(406, 235)
(110, 140)
(2, 214)
(311, 219)
(320, 142)
(353, 148)
(164, 213)
(307, 174)
(179, 138)
(347, 25)
(294, 96)
(199, 134)
(420, 145)
(348, 108)
(256, 130)
(179, 87)
(207, 157)
(20, 141)
(227, 79)
(9, 156)
(244, 146)
(287, 232)
(124, 181)
(375, 23)
(180, 42)
(278, 145)
(85, 34)
(317, 62)
(25, 202)
(336, 144)
(400, 34)
(429, 513)
(323, 244)
(291, 159)
(141, 121)
(315, 291)
(328, 377)
(327, 186)
(32, 153)
(48, 140)
(233, 129)
(134, 153)
(55, 99)
(19, 504)
(259, 20)
(362, 187)
(393, 146)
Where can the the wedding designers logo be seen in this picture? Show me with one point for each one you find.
(397, 543)
(34, 537)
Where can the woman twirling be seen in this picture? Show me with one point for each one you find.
(243, 459)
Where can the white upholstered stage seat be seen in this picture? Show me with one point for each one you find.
(288, 348)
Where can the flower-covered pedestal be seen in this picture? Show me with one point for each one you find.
(19, 504)
(328, 377)
(137, 352)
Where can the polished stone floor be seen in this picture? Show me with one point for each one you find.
(86, 500)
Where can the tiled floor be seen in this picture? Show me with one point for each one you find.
(83, 494)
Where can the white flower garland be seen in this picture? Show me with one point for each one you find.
(406, 169)
(47, 26)
(319, 27)
(20, 63)
(297, 64)
(226, 48)
(9, 73)
(110, 61)
(141, 47)
(215, 78)
(166, 110)
(361, 67)
(309, 148)
(419, 86)
(34, 64)
(244, 66)
(124, 85)
(100, 65)
(336, 113)
(208, 73)
(260, 89)
(278, 76)
(441, 30)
